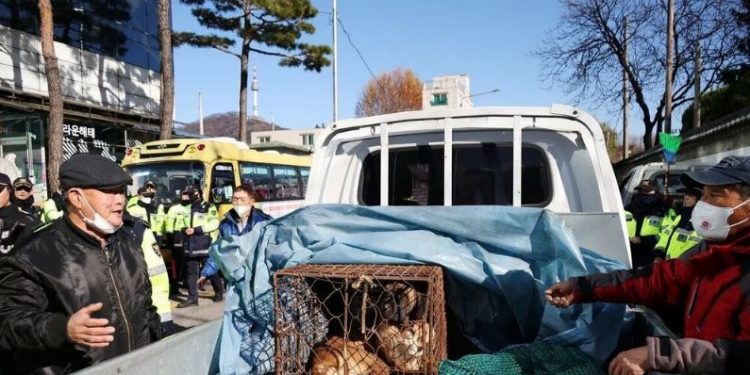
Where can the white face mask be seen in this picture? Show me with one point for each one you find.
(241, 210)
(98, 223)
(146, 200)
(712, 222)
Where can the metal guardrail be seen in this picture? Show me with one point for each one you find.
(186, 353)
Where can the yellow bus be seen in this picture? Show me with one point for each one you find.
(218, 165)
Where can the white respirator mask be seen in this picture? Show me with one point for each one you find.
(712, 222)
(241, 210)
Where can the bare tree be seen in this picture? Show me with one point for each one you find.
(167, 71)
(586, 51)
(54, 87)
(395, 91)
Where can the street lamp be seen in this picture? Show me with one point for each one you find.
(461, 101)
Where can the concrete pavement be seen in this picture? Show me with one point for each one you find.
(206, 311)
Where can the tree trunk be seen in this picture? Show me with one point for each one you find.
(54, 87)
(244, 59)
(167, 71)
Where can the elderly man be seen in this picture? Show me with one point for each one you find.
(77, 291)
(711, 286)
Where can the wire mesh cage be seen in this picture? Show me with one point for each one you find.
(333, 319)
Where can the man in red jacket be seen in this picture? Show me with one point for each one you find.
(712, 285)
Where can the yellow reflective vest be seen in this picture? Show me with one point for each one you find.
(50, 211)
(203, 217)
(651, 226)
(631, 224)
(681, 241)
(155, 220)
(157, 274)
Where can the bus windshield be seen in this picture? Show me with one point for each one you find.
(170, 178)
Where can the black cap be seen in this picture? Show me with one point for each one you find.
(645, 187)
(22, 181)
(692, 191)
(149, 184)
(92, 171)
(4, 179)
(730, 170)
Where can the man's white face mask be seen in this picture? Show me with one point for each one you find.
(241, 210)
(712, 222)
(97, 223)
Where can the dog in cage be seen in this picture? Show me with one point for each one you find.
(339, 357)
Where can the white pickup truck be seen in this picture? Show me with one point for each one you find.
(547, 157)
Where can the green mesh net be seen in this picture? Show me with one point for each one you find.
(537, 358)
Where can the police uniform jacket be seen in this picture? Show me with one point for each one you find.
(13, 224)
(58, 271)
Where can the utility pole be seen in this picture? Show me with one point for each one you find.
(254, 87)
(334, 15)
(200, 113)
(625, 100)
(697, 99)
(670, 50)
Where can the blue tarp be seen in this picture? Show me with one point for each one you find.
(497, 261)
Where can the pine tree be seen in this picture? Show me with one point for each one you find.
(266, 27)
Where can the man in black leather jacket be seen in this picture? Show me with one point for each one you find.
(77, 291)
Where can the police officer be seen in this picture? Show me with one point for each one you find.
(647, 209)
(148, 187)
(146, 210)
(177, 216)
(23, 198)
(76, 292)
(13, 220)
(199, 230)
(679, 237)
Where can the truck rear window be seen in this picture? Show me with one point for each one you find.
(482, 175)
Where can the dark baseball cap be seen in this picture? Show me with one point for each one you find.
(4, 179)
(22, 181)
(149, 183)
(645, 187)
(730, 170)
(92, 171)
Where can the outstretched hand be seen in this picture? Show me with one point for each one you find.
(561, 294)
(630, 362)
(85, 330)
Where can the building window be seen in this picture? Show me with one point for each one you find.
(308, 139)
(265, 139)
(439, 99)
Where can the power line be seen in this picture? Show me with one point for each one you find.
(359, 53)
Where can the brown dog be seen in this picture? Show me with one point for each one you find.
(406, 348)
(338, 356)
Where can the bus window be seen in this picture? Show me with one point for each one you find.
(222, 183)
(259, 177)
(286, 182)
(170, 178)
(304, 173)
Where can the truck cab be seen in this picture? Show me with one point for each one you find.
(547, 157)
